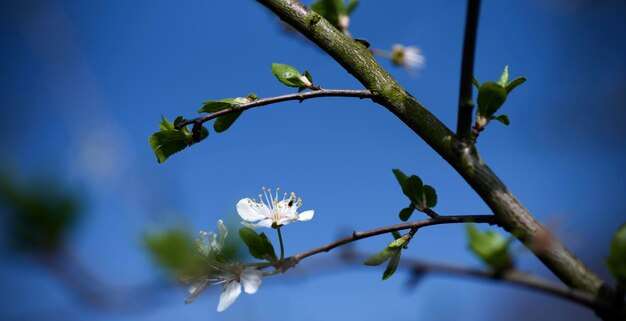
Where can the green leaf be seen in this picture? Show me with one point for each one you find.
(173, 249)
(392, 265)
(224, 122)
(491, 96)
(406, 213)
(168, 142)
(475, 82)
(504, 119)
(516, 82)
(330, 10)
(211, 106)
(380, 257)
(259, 246)
(351, 6)
(396, 235)
(431, 196)
(400, 242)
(165, 124)
(490, 247)
(413, 189)
(616, 262)
(288, 75)
(504, 78)
(400, 176)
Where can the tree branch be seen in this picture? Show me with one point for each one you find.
(272, 100)
(414, 226)
(514, 217)
(466, 104)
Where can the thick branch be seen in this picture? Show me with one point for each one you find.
(272, 100)
(388, 229)
(466, 104)
(358, 61)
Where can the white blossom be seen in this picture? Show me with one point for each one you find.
(271, 212)
(411, 58)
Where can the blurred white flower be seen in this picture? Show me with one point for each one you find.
(272, 212)
(232, 277)
(209, 243)
(411, 58)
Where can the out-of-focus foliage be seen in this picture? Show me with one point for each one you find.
(491, 247)
(616, 262)
(38, 214)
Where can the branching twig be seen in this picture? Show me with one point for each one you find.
(466, 104)
(419, 268)
(411, 225)
(272, 100)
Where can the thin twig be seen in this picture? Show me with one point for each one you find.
(272, 100)
(466, 104)
(411, 225)
(419, 268)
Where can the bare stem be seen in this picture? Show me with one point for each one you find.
(282, 247)
(414, 226)
(272, 100)
(466, 104)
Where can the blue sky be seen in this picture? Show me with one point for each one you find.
(84, 84)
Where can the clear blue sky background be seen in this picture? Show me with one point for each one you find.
(84, 84)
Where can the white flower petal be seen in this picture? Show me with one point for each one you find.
(263, 223)
(248, 210)
(230, 293)
(251, 279)
(223, 233)
(286, 220)
(306, 215)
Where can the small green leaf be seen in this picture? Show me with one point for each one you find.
(211, 106)
(406, 213)
(616, 262)
(490, 247)
(491, 96)
(400, 176)
(308, 76)
(259, 246)
(351, 6)
(224, 122)
(380, 257)
(504, 78)
(392, 265)
(475, 82)
(413, 189)
(396, 235)
(168, 142)
(288, 75)
(516, 82)
(400, 242)
(431, 196)
(165, 124)
(504, 119)
(330, 10)
(172, 249)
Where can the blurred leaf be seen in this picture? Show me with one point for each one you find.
(504, 119)
(392, 265)
(616, 262)
(490, 247)
(259, 245)
(516, 82)
(288, 75)
(330, 10)
(39, 214)
(165, 124)
(396, 235)
(431, 196)
(211, 106)
(351, 6)
(380, 257)
(400, 242)
(174, 250)
(491, 96)
(224, 122)
(504, 78)
(406, 213)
